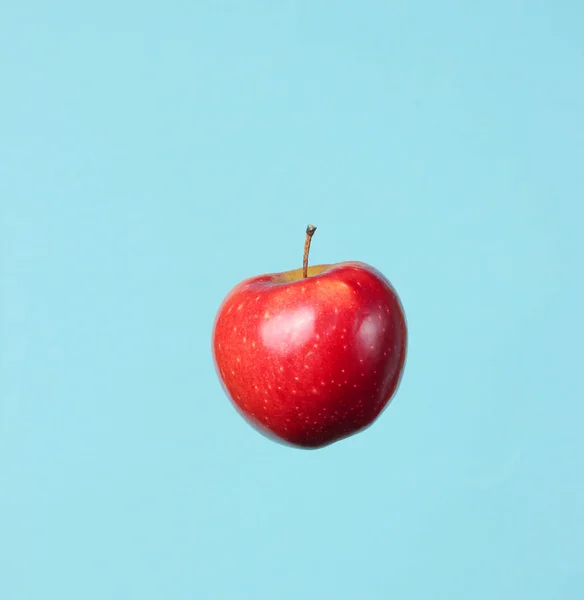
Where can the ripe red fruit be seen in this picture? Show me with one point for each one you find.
(313, 355)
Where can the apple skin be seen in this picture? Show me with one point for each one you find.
(310, 361)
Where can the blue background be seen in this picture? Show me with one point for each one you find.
(154, 154)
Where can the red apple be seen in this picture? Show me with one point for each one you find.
(313, 355)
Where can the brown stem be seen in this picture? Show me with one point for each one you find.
(310, 229)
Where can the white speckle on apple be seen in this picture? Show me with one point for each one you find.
(295, 378)
(257, 298)
(281, 369)
(238, 359)
(234, 329)
(322, 383)
(244, 339)
(294, 392)
(314, 391)
(342, 370)
(315, 345)
(306, 367)
(336, 310)
(318, 336)
(267, 315)
(354, 385)
(240, 306)
(253, 344)
(233, 372)
(345, 347)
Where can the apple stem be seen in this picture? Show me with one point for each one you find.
(310, 229)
